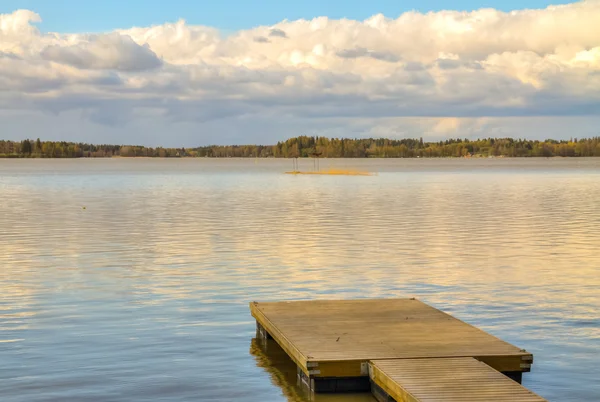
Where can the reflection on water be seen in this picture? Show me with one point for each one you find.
(270, 357)
(130, 279)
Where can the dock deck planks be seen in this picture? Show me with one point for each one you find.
(446, 379)
(336, 338)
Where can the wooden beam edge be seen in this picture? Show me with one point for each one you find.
(289, 348)
(391, 387)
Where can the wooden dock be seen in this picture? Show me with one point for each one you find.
(348, 345)
(456, 379)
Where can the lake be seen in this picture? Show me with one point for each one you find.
(129, 279)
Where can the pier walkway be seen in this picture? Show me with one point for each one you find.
(395, 348)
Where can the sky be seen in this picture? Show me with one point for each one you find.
(187, 73)
(231, 15)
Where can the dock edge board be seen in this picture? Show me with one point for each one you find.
(298, 358)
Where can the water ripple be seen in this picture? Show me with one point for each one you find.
(130, 279)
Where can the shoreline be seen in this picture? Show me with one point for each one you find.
(300, 158)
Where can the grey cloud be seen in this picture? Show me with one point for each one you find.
(384, 56)
(112, 80)
(448, 64)
(219, 92)
(12, 56)
(278, 33)
(28, 77)
(420, 78)
(403, 94)
(105, 52)
(414, 66)
(110, 115)
(205, 111)
(353, 53)
(40, 76)
(261, 39)
(362, 52)
(474, 65)
(31, 85)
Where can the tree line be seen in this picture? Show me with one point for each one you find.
(61, 149)
(307, 146)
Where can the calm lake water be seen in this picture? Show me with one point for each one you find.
(129, 280)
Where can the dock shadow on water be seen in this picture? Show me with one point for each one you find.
(270, 357)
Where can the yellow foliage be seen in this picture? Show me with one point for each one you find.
(336, 172)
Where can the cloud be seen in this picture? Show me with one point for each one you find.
(17, 31)
(444, 67)
(278, 33)
(104, 52)
(362, 52)
(448, 64)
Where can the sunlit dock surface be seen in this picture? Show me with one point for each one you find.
(368, 345)
(334, 172)
(456, 379)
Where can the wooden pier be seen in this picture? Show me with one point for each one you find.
(396, 348)
(444, 379)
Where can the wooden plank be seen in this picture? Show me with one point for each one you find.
(279, 337)
(339, 335)
(389, 385)
(446, 379)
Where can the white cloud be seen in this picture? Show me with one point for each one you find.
(104, 52)
(17, 32)
(446, 68)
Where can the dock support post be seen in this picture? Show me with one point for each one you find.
(305, 381)
(261, 332)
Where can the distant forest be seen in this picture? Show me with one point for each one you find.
(306, 146)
